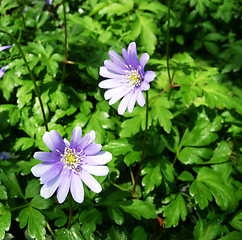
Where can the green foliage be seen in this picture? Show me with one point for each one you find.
(190, 180)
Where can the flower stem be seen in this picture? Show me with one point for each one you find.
(143, 150)
(167, 43)
(50, 230)
(70, 212)
(22, 16)
(65, 27)
(65, 44)
(31, 75)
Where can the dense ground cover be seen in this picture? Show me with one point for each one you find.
(176, 166)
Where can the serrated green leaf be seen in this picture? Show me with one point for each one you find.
(32, 189)
(23, 143)
(159, 111)
(236, 222)
(152, 176)
(186, 176)
(232, 236)
(201, 193)
(40, 203)
(35, 220)
(138, 209)
(203, 133)
(5, 220)
(207, 230)
(224, 195)
(132, 157)
(116, 214)
(3, 193)
(175, 210)
(139, 233)
(89, 218)
(192, 155)
(71, 234)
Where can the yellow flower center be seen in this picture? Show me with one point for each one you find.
(72, 159)
(133, 78)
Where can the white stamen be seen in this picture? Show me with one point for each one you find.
(133, 78)
(72, 159)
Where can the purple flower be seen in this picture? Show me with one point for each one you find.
(69, 164)
(49, 1)
(2, 71)
(5, 47)
(7, 155)
(127, 78)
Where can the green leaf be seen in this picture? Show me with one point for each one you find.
(32, 189)
(236, 222)
(40, 203)
(186, 176)
(201, 193)
(139, 209)
(175, 210)
(71, 234)
(132, 125)
(232, 236)
(118, 147)
(203, 133)
(159, 110)
(99, 122)
(221, 154)
(139, 233)
(132, 157)
(35, 220)
(192, 155)
(224, 195)
(116, 214)
(167, 170)
(152, 176)
(89, 218)
(5, 220)
(207, 230)
(3, 193)
(24, 143)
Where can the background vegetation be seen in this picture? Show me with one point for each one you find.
(190, 183)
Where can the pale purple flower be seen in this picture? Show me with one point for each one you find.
(5, 47)
(2, 71)
(126, 78)
(49, 2)
(69, 164)
(7, 155)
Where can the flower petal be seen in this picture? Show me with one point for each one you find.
(114, 67)
(100, 158)
(49, 1)
(92, 149)
(96, 170)
(77, 190)
(133, 55)
(144, 59)
(126, 57)
(119, 95)
(105, 73)
(64, 186)
(48, 189)
(2, 71)
(47, 156)
(110, 83)
(145, 86)
(5, 47)
(124, 104)
(132, 101)
(149, 76)
(141, 99)
(117, 58)
(112, 92)
(75, 136)
(90, 181)
(51, 173)
(57, 141)
(41, 168)
(48, 142)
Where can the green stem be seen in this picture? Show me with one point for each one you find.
(65, 27)
(143, 150)
(31, 75)
(65, 44)
(50, 230)
(70, 212)
(22, 16)
(167, 44)
(19, 207)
